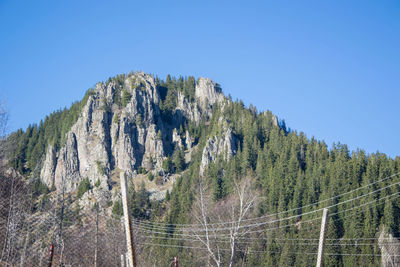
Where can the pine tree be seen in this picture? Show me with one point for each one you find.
(179, 160)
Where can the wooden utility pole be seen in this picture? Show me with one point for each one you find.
(128, 233)
(51, 252)
(96, 237)
(324, 224)
(122, 260)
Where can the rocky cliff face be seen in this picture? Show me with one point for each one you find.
(109, 137)
(224, 145)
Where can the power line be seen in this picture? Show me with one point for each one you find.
(294, 209)
(150, 230)
(269, 251)
(282, 219)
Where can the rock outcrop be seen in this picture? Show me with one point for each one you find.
(110, 136)
(224, 145)
(48, 169)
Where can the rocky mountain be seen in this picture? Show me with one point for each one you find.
(109, 137)
(184, 146)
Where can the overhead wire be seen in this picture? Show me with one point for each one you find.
(277, 220)
(294, 209)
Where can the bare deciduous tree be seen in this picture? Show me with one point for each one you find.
(223, 223)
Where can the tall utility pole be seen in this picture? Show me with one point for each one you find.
(324, 224)
(60, 236)
(128, 233)
(96, 236)
(122, 260)
(51, 252)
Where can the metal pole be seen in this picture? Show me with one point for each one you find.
(324, 223)
(129, 240)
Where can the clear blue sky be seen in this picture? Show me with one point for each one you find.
(329, 68)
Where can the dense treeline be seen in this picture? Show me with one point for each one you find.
(291, 171)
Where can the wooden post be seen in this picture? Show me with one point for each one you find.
(96, 237)
(129, 240)
(51, 251)
(123, 260)
(324, 223)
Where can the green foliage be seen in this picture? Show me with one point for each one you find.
(290, 171)
(126, 97)
(97, 184)
(133, 83)
(167, 165)
(141, 170)
(106, 106)
(39, 188)
(117, 209)
(150, 176)
(139, 203)
(139, 120)
(116, 118)
(167, 196)
(83, 187)
(32, 144)
(100, 168)
(179, 160)
(159, 134)
(169, 94)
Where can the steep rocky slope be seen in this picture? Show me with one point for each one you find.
(108, 137)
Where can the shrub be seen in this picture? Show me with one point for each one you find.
(39, 188)
(100, 168)
(117, 208)
(167, 165)
(139, 120)
(150, 176)
(167, 196)
(83, 187)
(159, 134)
(141, 170)
(126, 97)
(116, 118)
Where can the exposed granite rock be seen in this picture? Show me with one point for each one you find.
(177, 139)
(108, 136)
(188, 110)
(224, 145)
(67, 172)
(48, 170)
(189, 140)
(207, 93)
(275, 120)
(154, 149)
